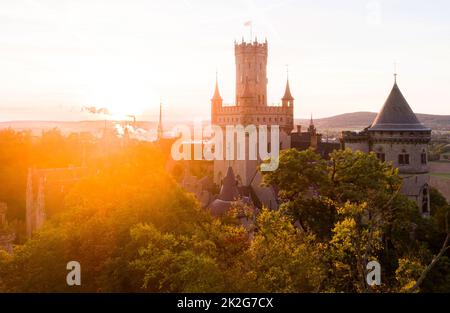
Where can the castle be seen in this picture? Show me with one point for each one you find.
(251, 108)
(397, 136)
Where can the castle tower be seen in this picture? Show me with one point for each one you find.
(396, 135)
(251, 109)
(251, 73)
(251, 94)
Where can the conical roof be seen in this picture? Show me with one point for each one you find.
(287, 92)
(396, 114)
(216, 95)
(229, 190)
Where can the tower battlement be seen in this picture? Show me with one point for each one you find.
(251, 92)
(250, 47)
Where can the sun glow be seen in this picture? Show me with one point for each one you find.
(123, 96)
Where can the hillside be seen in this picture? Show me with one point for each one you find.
(360, 120)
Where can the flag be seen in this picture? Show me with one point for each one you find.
(248, 23)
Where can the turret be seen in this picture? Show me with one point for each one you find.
(287, 99)
(216, 103)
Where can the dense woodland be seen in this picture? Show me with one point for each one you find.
(134, 229)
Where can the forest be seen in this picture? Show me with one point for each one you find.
(134, 229)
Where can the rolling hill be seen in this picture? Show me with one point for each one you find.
(360, 120)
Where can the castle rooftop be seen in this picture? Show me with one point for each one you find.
(396, 115)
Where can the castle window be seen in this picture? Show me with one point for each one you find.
(403, 159)
(423, 157)
(381, 156)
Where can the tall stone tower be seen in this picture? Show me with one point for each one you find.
(251, 73)
(251, 93)
(251, 108)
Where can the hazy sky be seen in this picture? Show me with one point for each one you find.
(57, 56)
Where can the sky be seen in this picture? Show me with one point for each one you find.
(58, 56)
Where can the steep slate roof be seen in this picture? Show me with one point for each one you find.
(287, 92)
(396, 114)
(229, 190)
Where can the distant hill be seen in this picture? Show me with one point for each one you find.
(347, 121)
(360, 120)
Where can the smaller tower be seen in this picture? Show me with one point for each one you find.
(311, 128)
(287, 100)
(313, 134)
(216, 102)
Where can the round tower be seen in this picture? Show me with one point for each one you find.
(396, 135)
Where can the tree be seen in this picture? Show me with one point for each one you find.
(352, 204)
(284, 259)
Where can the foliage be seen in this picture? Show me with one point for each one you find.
(134, 229)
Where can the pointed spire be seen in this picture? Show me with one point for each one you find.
(160, 127)
(395, 72)
(287, 92)
(216, 90)
(311, 128)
